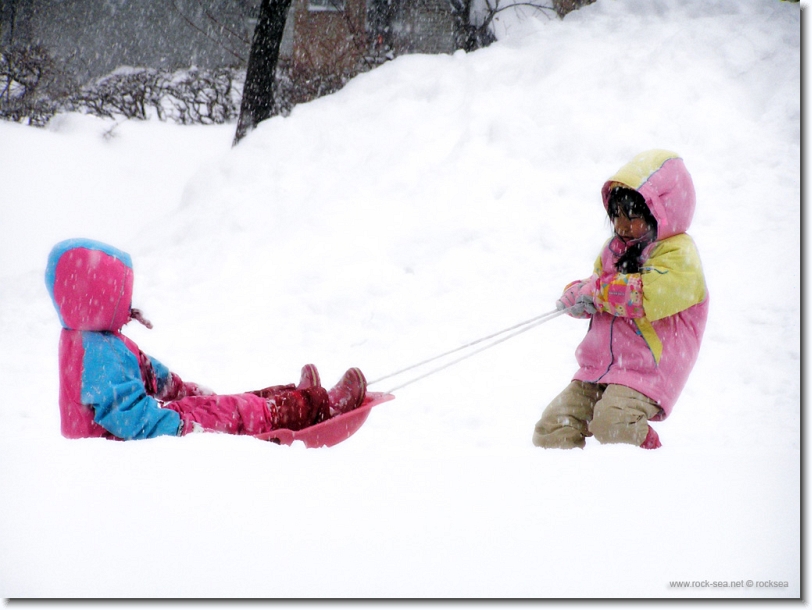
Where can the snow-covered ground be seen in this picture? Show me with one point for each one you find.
(433, 201)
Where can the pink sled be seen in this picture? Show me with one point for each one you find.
(332, 431)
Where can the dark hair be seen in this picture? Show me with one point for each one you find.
(631, 204)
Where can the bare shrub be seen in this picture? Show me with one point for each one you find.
(186, 96)
(32, 85)
(204, 96)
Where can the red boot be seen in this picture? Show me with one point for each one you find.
(349, 392)
(297, 409)
(310, 377)
(652, 440)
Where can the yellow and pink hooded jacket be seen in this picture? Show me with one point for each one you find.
(648, 327)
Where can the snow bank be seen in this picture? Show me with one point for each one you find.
(430, 202)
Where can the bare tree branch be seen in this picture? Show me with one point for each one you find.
(217, 42)
(222, 25)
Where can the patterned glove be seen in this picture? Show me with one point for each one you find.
(620, 294)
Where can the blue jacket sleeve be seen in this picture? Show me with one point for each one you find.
(163, 376)
(113, 388)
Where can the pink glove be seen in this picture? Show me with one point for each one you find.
(578, 299)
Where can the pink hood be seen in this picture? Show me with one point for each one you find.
(661, 178)
(91, 285)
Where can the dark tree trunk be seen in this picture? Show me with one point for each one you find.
(257, 96)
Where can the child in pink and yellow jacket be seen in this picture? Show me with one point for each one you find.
(647, 302)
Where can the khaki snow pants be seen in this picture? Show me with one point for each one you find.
(612, 413)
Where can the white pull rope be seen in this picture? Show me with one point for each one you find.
(544, 317)
(522, 327)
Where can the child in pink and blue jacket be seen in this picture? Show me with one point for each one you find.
(109, 388)
(647, 303)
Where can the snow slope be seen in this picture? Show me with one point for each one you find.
(431, 202)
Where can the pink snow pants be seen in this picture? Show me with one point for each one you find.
(253, 413)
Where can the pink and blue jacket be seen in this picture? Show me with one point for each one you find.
(648, 328)
(107, 386)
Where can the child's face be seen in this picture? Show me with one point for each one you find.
(627, 228)
(628, 212)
